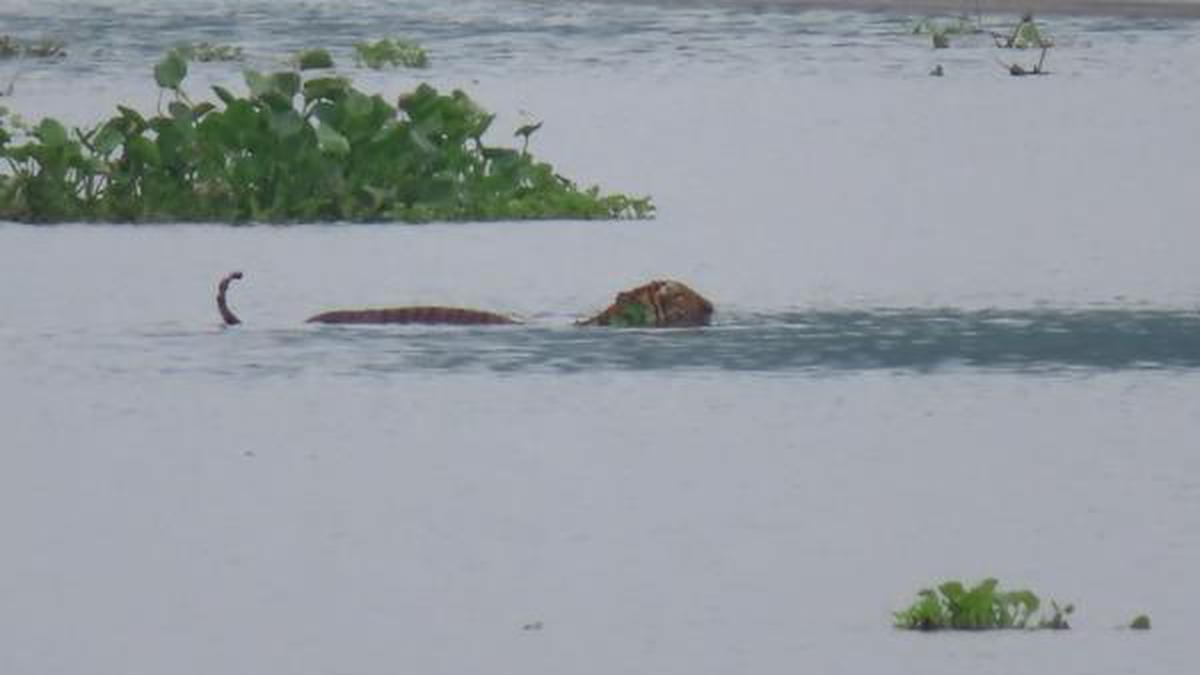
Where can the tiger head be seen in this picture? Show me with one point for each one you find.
(658, 304)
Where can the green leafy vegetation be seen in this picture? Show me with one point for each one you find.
(1025, 35)
(983, 607)
(291, 149)
(1140, 622)
(311, 59)
(169, 72)
(388, 52)
(957, 26)
(940, 32)
(206, 52)
(632, 315)
(11, 47)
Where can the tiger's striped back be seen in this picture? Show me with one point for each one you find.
(431, 315)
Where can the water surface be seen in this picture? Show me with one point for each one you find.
(956, 337)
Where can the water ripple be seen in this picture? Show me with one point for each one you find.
(107, 36)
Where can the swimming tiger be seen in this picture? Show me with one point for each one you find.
(656, 304)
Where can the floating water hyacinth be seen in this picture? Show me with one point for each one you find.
(290, 150)
(983, 607)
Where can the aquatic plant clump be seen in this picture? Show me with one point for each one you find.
(290, 150)
(208, 52)
(940, 33)
(952, 606)
(1025, 35)
(311, 59)
(11, 47)
(955, 26)
(388, 52)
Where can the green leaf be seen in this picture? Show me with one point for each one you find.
(1024, 598)
(422, 141)
(136, 122)
(286, 123)
(358, 105)
(202, 109)
(169, 72)
(51, 133)
(142, 150)
(1028, 36)
(286, 83)
(180, 110)
(310, 59)
(329, 88)
(107, 139)
(331, 142)
(224, 94)
(632, 315)
(952, 590)
(259, 84)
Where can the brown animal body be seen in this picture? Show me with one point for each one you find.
(424, 315)
(431, 315)
(658, 304)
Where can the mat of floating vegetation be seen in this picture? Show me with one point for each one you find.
(290, 150)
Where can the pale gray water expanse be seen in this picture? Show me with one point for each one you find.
(956, 337)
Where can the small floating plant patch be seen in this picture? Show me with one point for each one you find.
(953, 606)
(292, 149)
(208, 52)
(310, 59)
(388, 52)
(11, 47)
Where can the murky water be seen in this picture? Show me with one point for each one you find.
(957, 336)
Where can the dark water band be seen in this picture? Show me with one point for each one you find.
(911, 340)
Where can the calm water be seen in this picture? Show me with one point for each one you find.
(957, 336)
